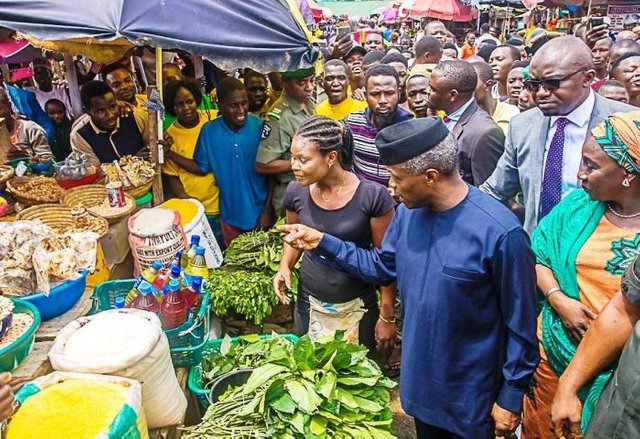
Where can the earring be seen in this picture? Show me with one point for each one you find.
(625, 182)
(330, 165)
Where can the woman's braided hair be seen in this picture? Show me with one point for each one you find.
(329, 135)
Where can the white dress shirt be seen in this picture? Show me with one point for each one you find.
(575, 133)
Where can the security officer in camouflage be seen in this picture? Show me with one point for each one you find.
(291, 109)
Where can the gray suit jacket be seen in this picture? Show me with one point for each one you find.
(480, 144)
(520, 167)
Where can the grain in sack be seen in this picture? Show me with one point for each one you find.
(128, 343)
(79, 405)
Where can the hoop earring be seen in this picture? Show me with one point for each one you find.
(625, 182)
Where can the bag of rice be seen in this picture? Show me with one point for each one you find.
(128, 343)
(77, 405)
(155, 235)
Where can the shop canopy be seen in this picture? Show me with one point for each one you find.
(390, 12)
(13, 51)
(451, 10)
(264, 35)
(319, 13)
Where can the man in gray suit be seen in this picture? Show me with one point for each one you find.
(543, 150)
(480, 139)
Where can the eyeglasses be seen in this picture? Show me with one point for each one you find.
(533, 85)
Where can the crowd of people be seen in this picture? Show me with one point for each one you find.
(468, 211)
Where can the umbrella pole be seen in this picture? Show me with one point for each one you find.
(74, 89)
(155, 134)
(589, 9)
(154, 148)
(5, 142)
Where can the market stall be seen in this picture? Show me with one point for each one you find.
(108, 289)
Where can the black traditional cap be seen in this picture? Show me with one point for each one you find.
(403, 141)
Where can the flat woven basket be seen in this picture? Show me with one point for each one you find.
(91, 196)
(6, 172)
(18, 186)
(138, 191)
(135, 192)
(60, 218)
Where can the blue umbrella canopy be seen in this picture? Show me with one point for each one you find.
(264, 35)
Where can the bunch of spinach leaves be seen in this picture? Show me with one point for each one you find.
(316, 391)
(244, 284)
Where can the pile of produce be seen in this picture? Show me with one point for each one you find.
(32, 255)
(36, 190)
(131, 171)
(12, 325)
(249, 351)
(244, 284)
(318, 390)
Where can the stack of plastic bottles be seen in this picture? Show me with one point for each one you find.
(171, 292)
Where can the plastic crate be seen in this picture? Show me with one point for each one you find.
(186, 341)
(195, 381)
(12, 355)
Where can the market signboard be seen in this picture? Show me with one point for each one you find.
(624, 17)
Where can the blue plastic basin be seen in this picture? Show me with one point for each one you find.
(60, 299)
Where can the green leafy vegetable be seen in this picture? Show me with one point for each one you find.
(314, 390)
(243, 284)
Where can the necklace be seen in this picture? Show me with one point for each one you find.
(326, 200)
(619, 215)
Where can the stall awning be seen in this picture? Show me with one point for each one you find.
(266, 36)
(441, 9)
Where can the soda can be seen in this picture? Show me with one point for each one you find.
(115, 194)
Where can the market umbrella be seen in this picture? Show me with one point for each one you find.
(451, 10)
(266, 36)
(14, 51)
(390, 12)
(319, 13)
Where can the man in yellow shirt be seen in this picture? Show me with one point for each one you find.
(335, 82)
(500, 112)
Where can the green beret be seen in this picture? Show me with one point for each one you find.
(299, 74)
(403, 141)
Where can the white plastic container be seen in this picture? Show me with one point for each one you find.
(199, 225)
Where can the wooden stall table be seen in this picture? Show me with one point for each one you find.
(37, 363)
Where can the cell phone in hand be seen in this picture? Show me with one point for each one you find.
(598, 21)
(342, 31)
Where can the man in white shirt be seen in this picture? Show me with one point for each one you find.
(46, 90)
(485, 35)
